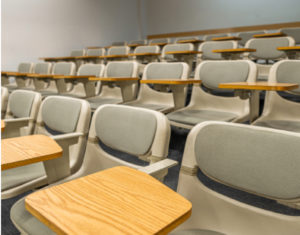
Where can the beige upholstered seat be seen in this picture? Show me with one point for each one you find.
(266, 49)
(94, 52)
(292, 32)
(140, 133)
(66, 120)
(279, 112)
(84, 88)
(59, 86)
(110, 93)
(245, 36)
(209, 37)
(36, 84)
(160, 100)
(205, 106)
(22, 68)
(22, 109)
(235, 174)
(118, 50)
(4, 100)
(207, 47)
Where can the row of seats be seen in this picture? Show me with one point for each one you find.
(209, 155)
(205, 103)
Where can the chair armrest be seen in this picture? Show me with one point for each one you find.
(158, 166)
(70, 137)
(16, 127)
(13, 120)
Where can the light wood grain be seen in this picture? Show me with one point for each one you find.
(144, 54)
(72, 77)
(269, 35)
(94, 47)
(58, 58)
(182, 52)
(226, 38)
(37, 75)
(119, 200)
(113, 79)
(158, 44)
(2, 125)
(171, 81)
(114, 56)
(189, 41)
(13, 74)
(294, 48)
(87, 57)
(226, 30)
(236, 50)
(259, 86)
(21, 151)
(135, 45)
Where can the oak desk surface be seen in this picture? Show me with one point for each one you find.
(269, 35)
(115, 56)
(59, 58)
(158, 44)
(236, 50)
(135, 45)
(83, 57)
(119, 200)
(226, 38)
(294, 48)
(72, 77)
(144, 54)
(15, 74)
(2, 125)
(21, 151)
(259, 86)
(113, 79)
(190, 41)
(171, 81)
(37, 75)
(94, 47)
(182, 52)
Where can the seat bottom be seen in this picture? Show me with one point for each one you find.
(196, 232)
(95, 102)
(17, 176)
(25, 222)
(47, 93)
(193, 117)
(280, 124)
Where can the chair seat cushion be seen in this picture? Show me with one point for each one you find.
(47, 93)
(196, 232)
(95, 102)
(25, 221)
(156, 107)
(17, 176)
(280, 124)
(193, 117)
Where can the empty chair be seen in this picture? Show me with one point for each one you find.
(177, 40)
(121, 53)
(119, 43)
(207, 47)
(239, 179)
(146, 49)
(266, 49)
(209, 37)
(39, 68)
(159, 100)
(292, 32)
(205, 105)
(141, 136)
(110, 93)
(279, 112)
(94, 52)
(21, 114)
(4, 100)
(22, 68)
(53, 87)
(83, 88)
(245, 36)
(66, 120)
(77, 52)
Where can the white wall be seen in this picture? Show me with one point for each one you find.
(167, 16)
(42, 28)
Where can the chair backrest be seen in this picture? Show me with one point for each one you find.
(147, 49)
(62, 115)
(118, 50)
(23, 104)
(245, 36)
(160, 40)
(64, 68)
(139, 42)
(292, 32)
(25, 67)
(43, 68)
(186, 38)
(211, 36)
(177, 47)
(266, 48)
(95, 52)
(233, 169)
(77, 53)
(96, 70)
(121, 69)
(137, 133)
(4, 100)
(124, 43)
(207, 47)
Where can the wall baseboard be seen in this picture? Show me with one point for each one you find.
(226, 30)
